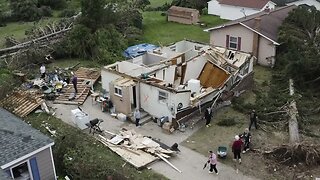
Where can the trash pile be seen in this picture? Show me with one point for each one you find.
(137, 149)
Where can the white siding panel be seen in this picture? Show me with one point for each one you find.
(266, 51)
(218, 37)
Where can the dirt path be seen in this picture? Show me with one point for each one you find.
(188, 161)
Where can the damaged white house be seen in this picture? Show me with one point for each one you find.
(173, 81)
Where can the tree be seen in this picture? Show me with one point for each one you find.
(299, 54)
(196, 4)
(96, 14)
(26, 10)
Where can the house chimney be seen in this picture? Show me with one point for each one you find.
(257, 22)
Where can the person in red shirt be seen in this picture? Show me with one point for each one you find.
(236, 148)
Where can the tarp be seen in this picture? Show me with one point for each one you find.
(138, 50)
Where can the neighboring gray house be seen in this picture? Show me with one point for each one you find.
(256, 34)
(25, 153)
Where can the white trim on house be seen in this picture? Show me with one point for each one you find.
(29, 168)
(218, 27)
(26, 156)
(54, 168)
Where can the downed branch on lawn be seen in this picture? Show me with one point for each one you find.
(136, 149)
(308, 154)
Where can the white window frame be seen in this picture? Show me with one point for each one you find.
(163, 98)
(233, 42)
(118, 91)
(29, 169)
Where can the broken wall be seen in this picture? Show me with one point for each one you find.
(194, 68)
(150, 102)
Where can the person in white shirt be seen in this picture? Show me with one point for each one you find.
(137, 117)
(43, 71)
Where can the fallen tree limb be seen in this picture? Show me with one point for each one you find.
(308, 154)
(275, 112)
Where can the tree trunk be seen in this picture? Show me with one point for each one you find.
(293, 122)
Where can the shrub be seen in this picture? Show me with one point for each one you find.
(45, 11)
(67, 13)
(227, 122)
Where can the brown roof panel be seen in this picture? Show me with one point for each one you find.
(269, 23)
(184, 9)
(256, 4)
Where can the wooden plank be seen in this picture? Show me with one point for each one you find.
(138, 159)
(22, 103)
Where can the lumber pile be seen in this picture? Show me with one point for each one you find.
(136, 149)
(22, 102)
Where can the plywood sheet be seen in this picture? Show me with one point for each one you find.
(137, 158)
(212, 76)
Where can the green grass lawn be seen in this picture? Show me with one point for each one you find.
(158, 31)
(158, 3)
(17, 29)
(90, 159)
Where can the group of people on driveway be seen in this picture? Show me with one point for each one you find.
(240, 144)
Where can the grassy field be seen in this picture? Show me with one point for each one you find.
(158, 31)
(157, 3)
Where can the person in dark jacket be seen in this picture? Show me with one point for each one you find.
(246, 137)
(253, 119)
(74, 81)
(236, 148)
(207, 116)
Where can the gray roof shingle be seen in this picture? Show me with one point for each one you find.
(17, 138)
(3, 176)
(269, 24)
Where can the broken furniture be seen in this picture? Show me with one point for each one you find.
(80, 118)
(94, 126)
(94, 97)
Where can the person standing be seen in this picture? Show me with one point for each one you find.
(213, 162)
(137, 117)
(43, 71)
(253, 119)
(74, 81)
(207, 116)
(236, 148)
(246, 136)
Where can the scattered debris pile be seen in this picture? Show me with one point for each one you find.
(308, 154)
(86, 79)
(22, 102)
(136, 149)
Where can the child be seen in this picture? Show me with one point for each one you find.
(213, 162)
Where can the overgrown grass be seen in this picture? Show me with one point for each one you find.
(157, 30)
(158, 3)
(80, 156)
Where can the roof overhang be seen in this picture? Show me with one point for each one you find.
(26, 156)
(274, 42)
(242, 24)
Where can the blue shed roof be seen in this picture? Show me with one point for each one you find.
(138, 50)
